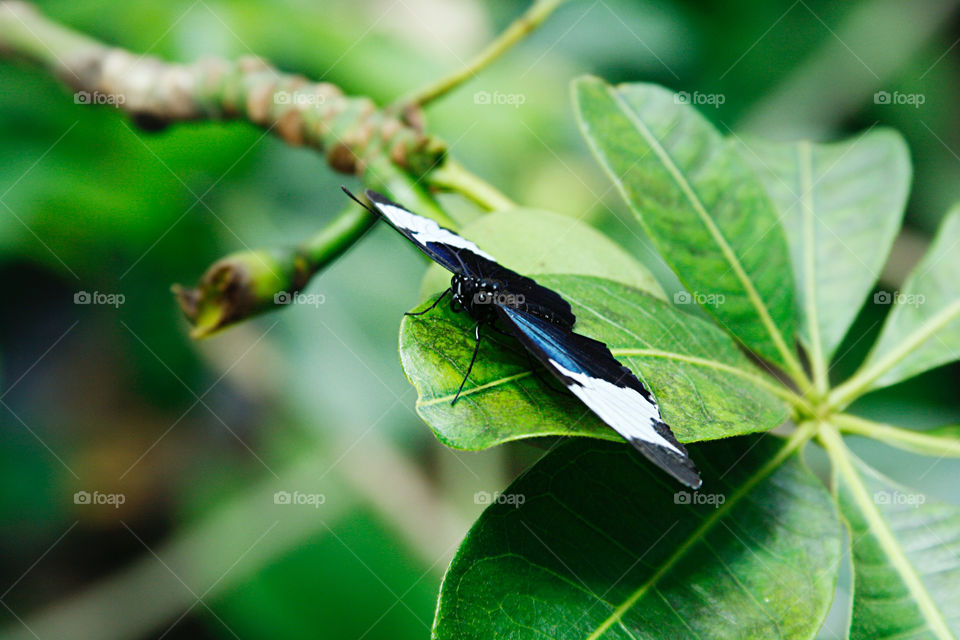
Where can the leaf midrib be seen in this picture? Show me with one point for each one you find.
(771, 387)
(755, 300)
(817, 358)
(888, 542)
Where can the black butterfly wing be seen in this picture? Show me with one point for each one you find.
(535, 299)
(460, 256)
(588, 369)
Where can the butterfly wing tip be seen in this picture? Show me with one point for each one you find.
(685, 472)
(681, 467)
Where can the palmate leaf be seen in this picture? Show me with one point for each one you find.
(841, 205)
(906, 558)
(592, 542)
(706, 387)
(922, 330)
(533, 241)
(700, 203)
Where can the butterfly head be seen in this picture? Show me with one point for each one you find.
(478, 296)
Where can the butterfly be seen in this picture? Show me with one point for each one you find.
(542, 321)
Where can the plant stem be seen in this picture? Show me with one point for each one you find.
(350, 130)
(842, 462)
(338, 236)
(916, 441)
(451, 176)
(242, 285)
(384, 175)
(532, 18)
(872, 370)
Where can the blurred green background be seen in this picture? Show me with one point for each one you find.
(197, 437)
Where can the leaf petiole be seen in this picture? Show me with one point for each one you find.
(915, 441)
(861, 381)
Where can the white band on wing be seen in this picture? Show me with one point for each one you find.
(426, 230)
(629, 413)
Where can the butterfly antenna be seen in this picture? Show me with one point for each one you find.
(358, 201)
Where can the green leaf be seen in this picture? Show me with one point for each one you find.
(706, 387)
(593, 541)
(531, 241)
(842, 205)
(700, 203)
(906, 557)
(922, 330)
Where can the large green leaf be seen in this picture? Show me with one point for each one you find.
(842, 205)
(706, 387)
(906, 558)
(701, 204)
(922, 330)
(594, 541)
(531, 241)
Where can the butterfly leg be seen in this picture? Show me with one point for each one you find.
(430, 308)
(476, 349)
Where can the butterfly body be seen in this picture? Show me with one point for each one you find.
(480, 297)
(543, 322)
